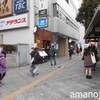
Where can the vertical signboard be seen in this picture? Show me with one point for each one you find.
(20, 6)
(5, 7)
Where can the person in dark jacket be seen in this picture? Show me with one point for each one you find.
(87, 63)
(70, 53)
(34, 59)
(52, 53)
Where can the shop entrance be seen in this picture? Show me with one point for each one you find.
(46, 45)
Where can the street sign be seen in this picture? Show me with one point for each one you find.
(42, 22)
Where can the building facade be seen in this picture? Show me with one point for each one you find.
(55, 22)
(60, 21)
(16, 30)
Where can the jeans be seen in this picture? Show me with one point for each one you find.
(53, 58)
(94, 65)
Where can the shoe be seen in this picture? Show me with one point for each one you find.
(37, 74)
(51, 64)
(32, 74)
(94, 69)
(89, 77)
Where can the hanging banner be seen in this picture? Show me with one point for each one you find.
(5, 7)
(20, 6)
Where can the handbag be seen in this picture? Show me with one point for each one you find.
(82, 57)
(93, 58)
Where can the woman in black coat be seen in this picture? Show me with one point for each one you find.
(87, 63)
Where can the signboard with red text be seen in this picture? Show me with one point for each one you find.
(14, 22)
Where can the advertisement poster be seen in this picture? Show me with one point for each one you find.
(5, 7)
(20, 6)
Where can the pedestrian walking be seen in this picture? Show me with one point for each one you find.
(3, 67)
(87, 63)
(3, 51)
(34, 61)
(52, 53)
(94, 57)
(80, 50)
(70, 53)
(77, 50)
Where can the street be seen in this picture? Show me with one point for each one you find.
(52, 83)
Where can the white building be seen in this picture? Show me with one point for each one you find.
(17, 26)
(60, 15)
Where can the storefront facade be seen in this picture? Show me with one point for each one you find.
(16, 29)
(56, 16)
(55, 26)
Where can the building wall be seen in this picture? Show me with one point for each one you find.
(60, 25)
(64, 26)
(21, 35)
(62, 49)
(68, 7)
(1, 39)
(16, 36)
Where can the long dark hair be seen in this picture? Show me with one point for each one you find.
(86, 51)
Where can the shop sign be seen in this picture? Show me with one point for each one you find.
(43, 12)
(14, 22)
(5, 7)
(20, 6)
(42, 22)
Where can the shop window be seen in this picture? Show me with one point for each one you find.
(10, 48)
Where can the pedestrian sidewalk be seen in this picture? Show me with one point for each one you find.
(20, 76)
(17, 78)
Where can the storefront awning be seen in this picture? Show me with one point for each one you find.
(93, 30)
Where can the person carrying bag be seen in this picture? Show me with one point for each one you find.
(93, 58)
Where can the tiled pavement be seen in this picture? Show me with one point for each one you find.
(57, 87)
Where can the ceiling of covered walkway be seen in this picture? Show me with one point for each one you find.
(93, 30)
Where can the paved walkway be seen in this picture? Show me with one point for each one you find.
(52, 83)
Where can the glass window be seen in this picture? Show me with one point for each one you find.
(60, 13)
